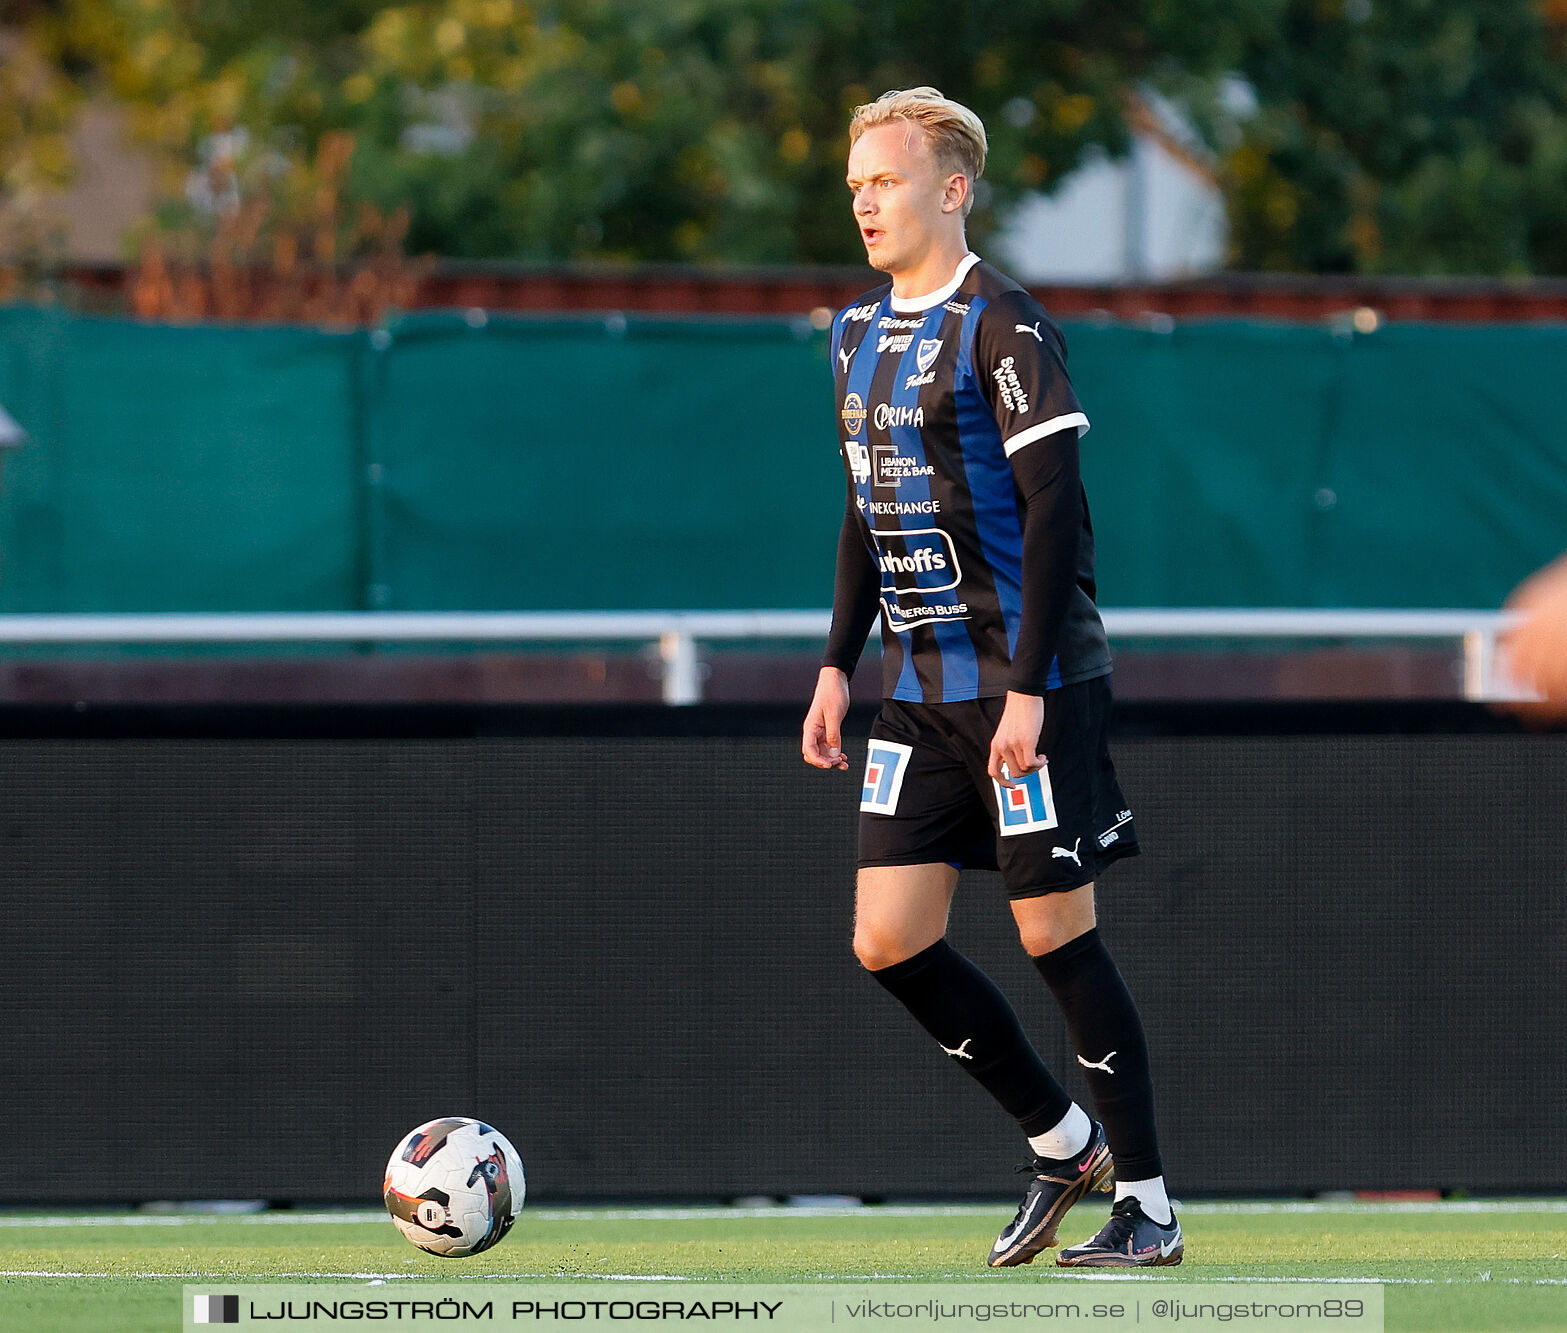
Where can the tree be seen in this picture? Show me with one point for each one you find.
(688, 130)
(36, 103)
(706, 129)
(1387, 135)
(1405, 136)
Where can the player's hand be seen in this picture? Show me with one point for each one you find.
(1536, 649)
(822, 740)
(1016, 742)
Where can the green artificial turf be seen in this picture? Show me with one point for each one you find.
(1477, 1266)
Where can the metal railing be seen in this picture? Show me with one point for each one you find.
(677, 634)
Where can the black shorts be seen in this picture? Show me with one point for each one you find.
(927, 797)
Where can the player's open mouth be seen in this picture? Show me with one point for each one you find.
(872, 234)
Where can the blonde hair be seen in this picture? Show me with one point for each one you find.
(955, 134)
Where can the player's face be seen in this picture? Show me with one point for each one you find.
(903, 202)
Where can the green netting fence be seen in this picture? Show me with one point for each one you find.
(518, 463)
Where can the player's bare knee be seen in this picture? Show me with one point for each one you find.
(877, 949)
(1040, 938)
(872, 951)
(1051, 920)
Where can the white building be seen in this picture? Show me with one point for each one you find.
(1154, 215)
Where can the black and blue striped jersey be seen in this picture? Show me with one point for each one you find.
(958, 429)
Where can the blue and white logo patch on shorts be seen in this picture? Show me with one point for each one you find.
(1028, 807)
(885, 764)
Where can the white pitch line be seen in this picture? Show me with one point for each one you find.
(1065, 1275)
(1212, 1208)
(188, 1219)
(636, 1277)
(1369, 1206)
(871, 1211)
(1434, 1207)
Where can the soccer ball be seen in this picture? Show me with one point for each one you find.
(454, 1186)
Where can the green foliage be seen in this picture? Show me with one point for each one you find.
(36, 103)
(1389, 135)
(1404, 136)
(707, 129)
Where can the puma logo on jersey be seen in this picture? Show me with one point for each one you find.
(1068, 855)
(845, 355)
(1030, 328)
(1097, 1064)
(962, 1050)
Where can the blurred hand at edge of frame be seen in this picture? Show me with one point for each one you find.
(1536, 648)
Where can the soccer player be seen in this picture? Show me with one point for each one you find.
(966, 533)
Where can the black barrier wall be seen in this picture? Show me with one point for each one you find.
(245, 953)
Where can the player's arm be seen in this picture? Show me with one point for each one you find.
(855, 603)
(1050, 484)
(1022, 364)
(1052, 492)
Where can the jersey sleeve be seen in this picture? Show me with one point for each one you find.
(856, 596)
(1020, 365)
(1053, 517)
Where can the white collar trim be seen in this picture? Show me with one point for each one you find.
(905, 305)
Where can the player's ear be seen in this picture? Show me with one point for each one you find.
(957, 192)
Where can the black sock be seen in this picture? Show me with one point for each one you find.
(963, 1010)
(1107, 1032)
